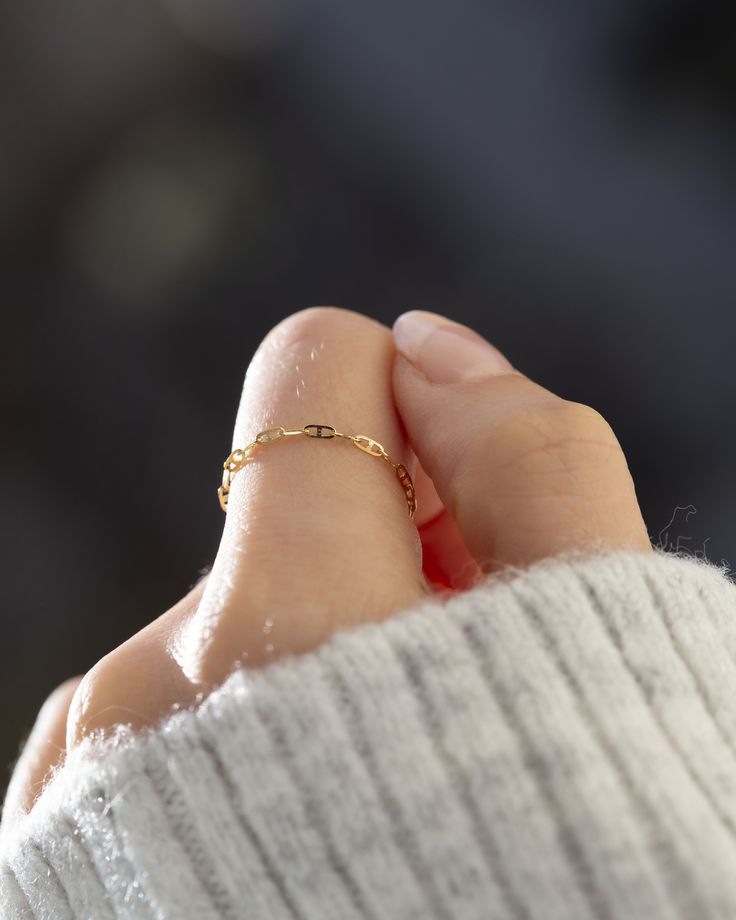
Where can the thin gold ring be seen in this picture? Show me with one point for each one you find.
(237, 459)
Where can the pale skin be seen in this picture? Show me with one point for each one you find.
(317, 536)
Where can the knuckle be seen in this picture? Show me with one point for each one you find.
(101, 698)
(327, 335)
(546, 436)
(311, 316)
(92, 687)
(316, 321)
(302, 336)
(58, 703)
(578, 423)
(64, 691)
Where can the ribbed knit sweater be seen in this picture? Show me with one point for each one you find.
(557, 743)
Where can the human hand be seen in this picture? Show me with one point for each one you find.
(317, 537)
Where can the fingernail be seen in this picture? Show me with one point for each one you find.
(445, 351)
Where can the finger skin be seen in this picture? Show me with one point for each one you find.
(447, 564)
(43, 750)
(525, 473)
(138, 682)
(317, 536)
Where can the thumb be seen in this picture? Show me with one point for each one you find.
(525, 473)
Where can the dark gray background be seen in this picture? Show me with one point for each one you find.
(175, 177)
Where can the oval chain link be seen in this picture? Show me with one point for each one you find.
(239, 457)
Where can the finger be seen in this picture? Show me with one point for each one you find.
(317, 535)
(447, 564)
(138, 682)
(43, 750)
(523, 472)
(429, 504)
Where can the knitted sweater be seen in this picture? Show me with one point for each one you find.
(557, 743)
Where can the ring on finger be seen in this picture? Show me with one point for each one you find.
(238, 457)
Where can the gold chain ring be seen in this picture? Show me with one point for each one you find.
(238, 457)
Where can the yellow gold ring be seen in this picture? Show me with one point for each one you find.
(238, 457)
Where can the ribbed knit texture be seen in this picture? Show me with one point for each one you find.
(555, 744)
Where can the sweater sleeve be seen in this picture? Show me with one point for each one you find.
(556, 743)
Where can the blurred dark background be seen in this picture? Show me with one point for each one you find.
(177, 176)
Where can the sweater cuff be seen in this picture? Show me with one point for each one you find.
(558, 742)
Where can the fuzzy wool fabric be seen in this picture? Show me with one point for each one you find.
(557, 743)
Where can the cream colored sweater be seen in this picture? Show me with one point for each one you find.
(555, 744)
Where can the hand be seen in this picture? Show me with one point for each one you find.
(317, 536)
